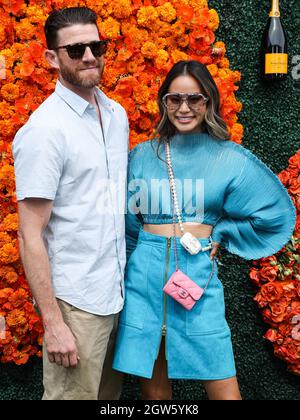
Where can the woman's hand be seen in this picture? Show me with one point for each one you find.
(214, 250)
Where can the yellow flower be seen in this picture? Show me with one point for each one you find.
(10, 222)
(9, 253)
(147, 16)
(36, 14)
(178, 56)
(235, 76)
(224, 73)
(160, 43)
(124, 54)
(122, 9)
(110, 77)
(152, 107)
(167, 13)
(198, 4)
(214, 20)
(141, 94)
(183, 41)
(10, 92)
(178, 29)
(213, 69)
(224, 63)
(133, 66)
(103, 8)
(161, 59)
(110, 28)
(25, 30)
(236, 133)
(6, 111)
(128, 25)
(137, 37)
(165, 29)
(11, 277)
(182, 2)
(149, 49)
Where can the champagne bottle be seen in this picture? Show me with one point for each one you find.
(274, 53)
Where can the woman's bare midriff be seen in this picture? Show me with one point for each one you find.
(199, 230)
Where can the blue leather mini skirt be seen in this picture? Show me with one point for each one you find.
(198, 342)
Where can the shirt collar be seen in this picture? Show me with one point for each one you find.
(76, 102)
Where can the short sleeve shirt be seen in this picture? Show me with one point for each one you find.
(63, 154)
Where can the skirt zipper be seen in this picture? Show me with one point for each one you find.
(164, 327)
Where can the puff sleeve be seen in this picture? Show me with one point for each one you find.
(133, 219)
(258, 214)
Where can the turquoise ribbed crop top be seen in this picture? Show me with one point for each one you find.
(219, 183)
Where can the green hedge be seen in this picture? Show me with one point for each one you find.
(272, 132)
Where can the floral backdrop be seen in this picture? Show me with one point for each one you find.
(278, 278)
(147, 38)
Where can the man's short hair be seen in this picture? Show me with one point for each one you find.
(63, 18)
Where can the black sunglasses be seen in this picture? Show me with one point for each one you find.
(77, 51)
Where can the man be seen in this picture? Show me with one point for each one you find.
(70, 166)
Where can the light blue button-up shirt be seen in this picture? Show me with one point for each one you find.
(62, 154)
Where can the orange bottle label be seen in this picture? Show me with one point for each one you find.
(276, 63)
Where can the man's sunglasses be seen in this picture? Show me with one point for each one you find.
(173, 101)
(77, 51)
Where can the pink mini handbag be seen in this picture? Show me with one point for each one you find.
(180, 287)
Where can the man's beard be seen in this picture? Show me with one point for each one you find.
(73, 76)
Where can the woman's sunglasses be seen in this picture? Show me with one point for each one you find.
(173, 101)
(77, 51)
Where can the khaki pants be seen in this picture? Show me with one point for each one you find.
(95, 336)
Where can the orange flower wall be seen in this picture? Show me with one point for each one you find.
(147, 38)
(278, 278)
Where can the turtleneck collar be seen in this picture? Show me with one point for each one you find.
(189, 139)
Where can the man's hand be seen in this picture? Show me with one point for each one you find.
(214, 250)
(60, 345)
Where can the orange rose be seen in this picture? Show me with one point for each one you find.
(285, 328)
(285, 177)
(290, 352)
(271, 335)
(255, 276)
(269, 273)
(289, 289)
(272, 291)
(294, 162)
(298, 290)
(268, 317)
(295, 186)
(262, 303)
(279, 310)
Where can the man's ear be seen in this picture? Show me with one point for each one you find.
(52, 58)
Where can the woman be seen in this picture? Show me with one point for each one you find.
(240, 204)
